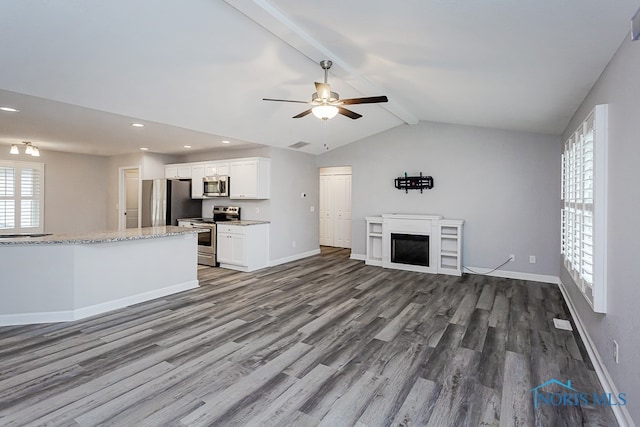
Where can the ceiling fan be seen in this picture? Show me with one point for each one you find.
(327, 104)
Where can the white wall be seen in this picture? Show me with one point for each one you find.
(504, 184)
(293, 173)
(153, 165)
(74, 193)
(618, 86)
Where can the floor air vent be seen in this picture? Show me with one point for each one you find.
(562, 324)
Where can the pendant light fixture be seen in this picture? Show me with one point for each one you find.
(14, 149)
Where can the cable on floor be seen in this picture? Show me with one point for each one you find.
(491, 271)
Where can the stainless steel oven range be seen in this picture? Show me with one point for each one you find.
(207, 247)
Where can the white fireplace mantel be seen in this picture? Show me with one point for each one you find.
(445, 241)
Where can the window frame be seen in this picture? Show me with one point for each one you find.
(584, 207)
(18, 197)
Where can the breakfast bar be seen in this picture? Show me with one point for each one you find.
(63, 277)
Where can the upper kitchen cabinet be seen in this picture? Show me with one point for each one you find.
(177, 171)
(217, 168)
(250, 178)
(197, 186)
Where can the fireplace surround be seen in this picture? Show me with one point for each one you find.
(415, 231)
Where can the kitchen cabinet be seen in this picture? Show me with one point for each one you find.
(177, 171)
(250, 178)
(243, 247)
(197, 188)
(217, 168)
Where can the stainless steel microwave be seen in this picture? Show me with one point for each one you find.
(215, 186)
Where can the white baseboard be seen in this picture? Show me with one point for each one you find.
(621, 412)
(512, 275)
(92, 310)
(33, 318)
(359, 257)
(295, 257)
(81, 313)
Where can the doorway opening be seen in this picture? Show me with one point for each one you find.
(335, 206)
(129, 198)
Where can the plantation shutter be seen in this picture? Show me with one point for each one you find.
(21, 197)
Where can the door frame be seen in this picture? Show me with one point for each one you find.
(122, 195)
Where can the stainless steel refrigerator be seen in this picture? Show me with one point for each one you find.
(166, 200)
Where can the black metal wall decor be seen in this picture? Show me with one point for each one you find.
(414, 182)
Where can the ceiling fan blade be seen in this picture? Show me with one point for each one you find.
(304, 113)
(284, 100)
(351, 114)
(323, 90)
(366, 100)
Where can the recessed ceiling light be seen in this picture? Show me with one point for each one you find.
(186, 146)
(137, 125)
(9, 109)
(144, 148)
(226, 142)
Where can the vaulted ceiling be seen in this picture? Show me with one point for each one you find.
(195, 72)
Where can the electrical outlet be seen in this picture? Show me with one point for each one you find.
(512, 257)
(616, 351)
(532, 259)
(293, 244)
(257, 210)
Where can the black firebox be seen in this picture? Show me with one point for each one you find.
(412, 249)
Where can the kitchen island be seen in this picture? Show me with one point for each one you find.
(63, 277)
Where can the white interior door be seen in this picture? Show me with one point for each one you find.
(342, 218)
(132, 183)
(326, 211)
(129, 197)
(335, 207)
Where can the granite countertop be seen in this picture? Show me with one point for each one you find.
(243, 222)
(101, 236)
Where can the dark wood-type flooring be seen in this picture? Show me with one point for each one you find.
(322, 341)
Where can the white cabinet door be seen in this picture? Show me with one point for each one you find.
(184, 171)
(238, 254)
(217, 168)
(171, 172)
(177, 171)
(222, 168)
(231, 249)
(244, 178)
(197, 187)
(210, 170)
(224, 249)
(249, 179)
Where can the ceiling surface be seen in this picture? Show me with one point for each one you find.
(82, 71)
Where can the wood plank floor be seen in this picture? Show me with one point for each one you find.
(324, 341)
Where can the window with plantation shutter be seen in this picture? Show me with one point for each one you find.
(21, 197)
(583, 216)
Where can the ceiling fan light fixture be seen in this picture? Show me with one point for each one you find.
(14, 149)
(325, 112)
